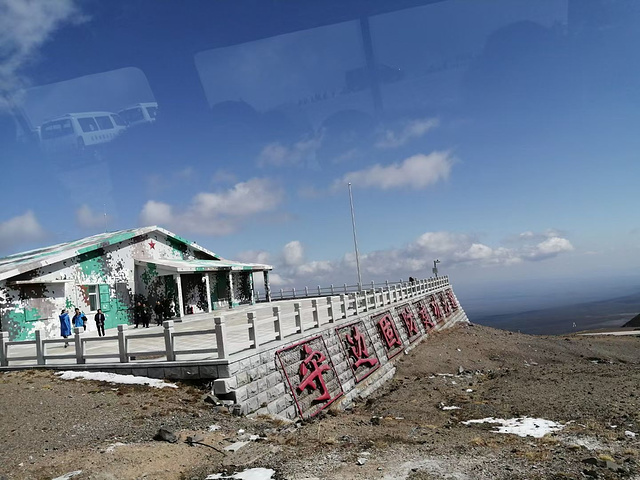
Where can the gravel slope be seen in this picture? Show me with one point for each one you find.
(49, 427)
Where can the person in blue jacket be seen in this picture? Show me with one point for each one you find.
(65, 326)
(80, 320)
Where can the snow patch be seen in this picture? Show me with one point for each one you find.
(213, 428)
(115, 378)
(444, 407)
(523, 426)
(69, 475)
(630, 434)
(250, 474)
(113, 446)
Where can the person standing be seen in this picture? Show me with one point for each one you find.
(138, 314)
(146, 315)
(80, 320)
(158, 310)
(65, 326)
(99, 318)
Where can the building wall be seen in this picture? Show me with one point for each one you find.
(26, 308)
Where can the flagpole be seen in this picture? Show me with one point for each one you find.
(355, 239)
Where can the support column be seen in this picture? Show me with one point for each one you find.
(253, 294)
(206, 282)
(230, 282)
(178, 281)
(267, 287)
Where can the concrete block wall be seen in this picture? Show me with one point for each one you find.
(259, 385)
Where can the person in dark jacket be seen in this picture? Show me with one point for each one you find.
(158, 309)
(65, 326)
(80, 320)
(99, 318)
(138, 314)
(146, 315)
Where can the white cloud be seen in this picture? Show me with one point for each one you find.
(88, 218)
(254, 256)
(278, 155)
(21, 229)
(293, 253)
(411, 130)
(25, 25)
(416, 172)
(415, 259)
(223, 176)
(216, 213)
(550, 248)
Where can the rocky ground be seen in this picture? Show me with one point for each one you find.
(591, 385)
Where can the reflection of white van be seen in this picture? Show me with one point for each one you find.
(140, 113)
(79, 130)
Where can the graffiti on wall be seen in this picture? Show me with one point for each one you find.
(358, 348)
(101, 274)
(310, 374)
(389, 334)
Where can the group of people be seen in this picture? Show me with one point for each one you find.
(79, 320)
(142, 314)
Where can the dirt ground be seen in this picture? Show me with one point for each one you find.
(50, 427)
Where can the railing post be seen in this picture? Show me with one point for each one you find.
(253, 331)
(332, 292)
(4, 338)
(298, 316)
(122, 343)
(306, 291)
(168, 340)
(221, 337)
(330, 309)
(375, 300)
(319, 291)
(344, 308)
(356, 300)
(316, 317)
(281, 294)
(294, 292)
(345, 288)
(373, 286)
(79, 346)
(277, 324)
(39, 348)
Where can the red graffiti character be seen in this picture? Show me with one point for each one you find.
(445, 305)
(407, 318)
(435, 308)
(389, 332)
(311, 370)
(423, 314)
(452, 299)
(358, 349)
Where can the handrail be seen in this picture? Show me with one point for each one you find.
(261, 327)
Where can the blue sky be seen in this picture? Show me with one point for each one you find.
(505, 144)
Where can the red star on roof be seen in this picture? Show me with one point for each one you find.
(152, 245)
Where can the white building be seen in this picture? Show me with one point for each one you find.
(114, 270)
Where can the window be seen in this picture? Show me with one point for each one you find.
(56, 129)
(94, 297)
(88, 124)
(104, 123)
(152, 111)
(118, 120)
(133, 115)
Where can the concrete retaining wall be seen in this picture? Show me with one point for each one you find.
(268, 382)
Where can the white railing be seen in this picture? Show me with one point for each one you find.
(284, 321)
(318, 291)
